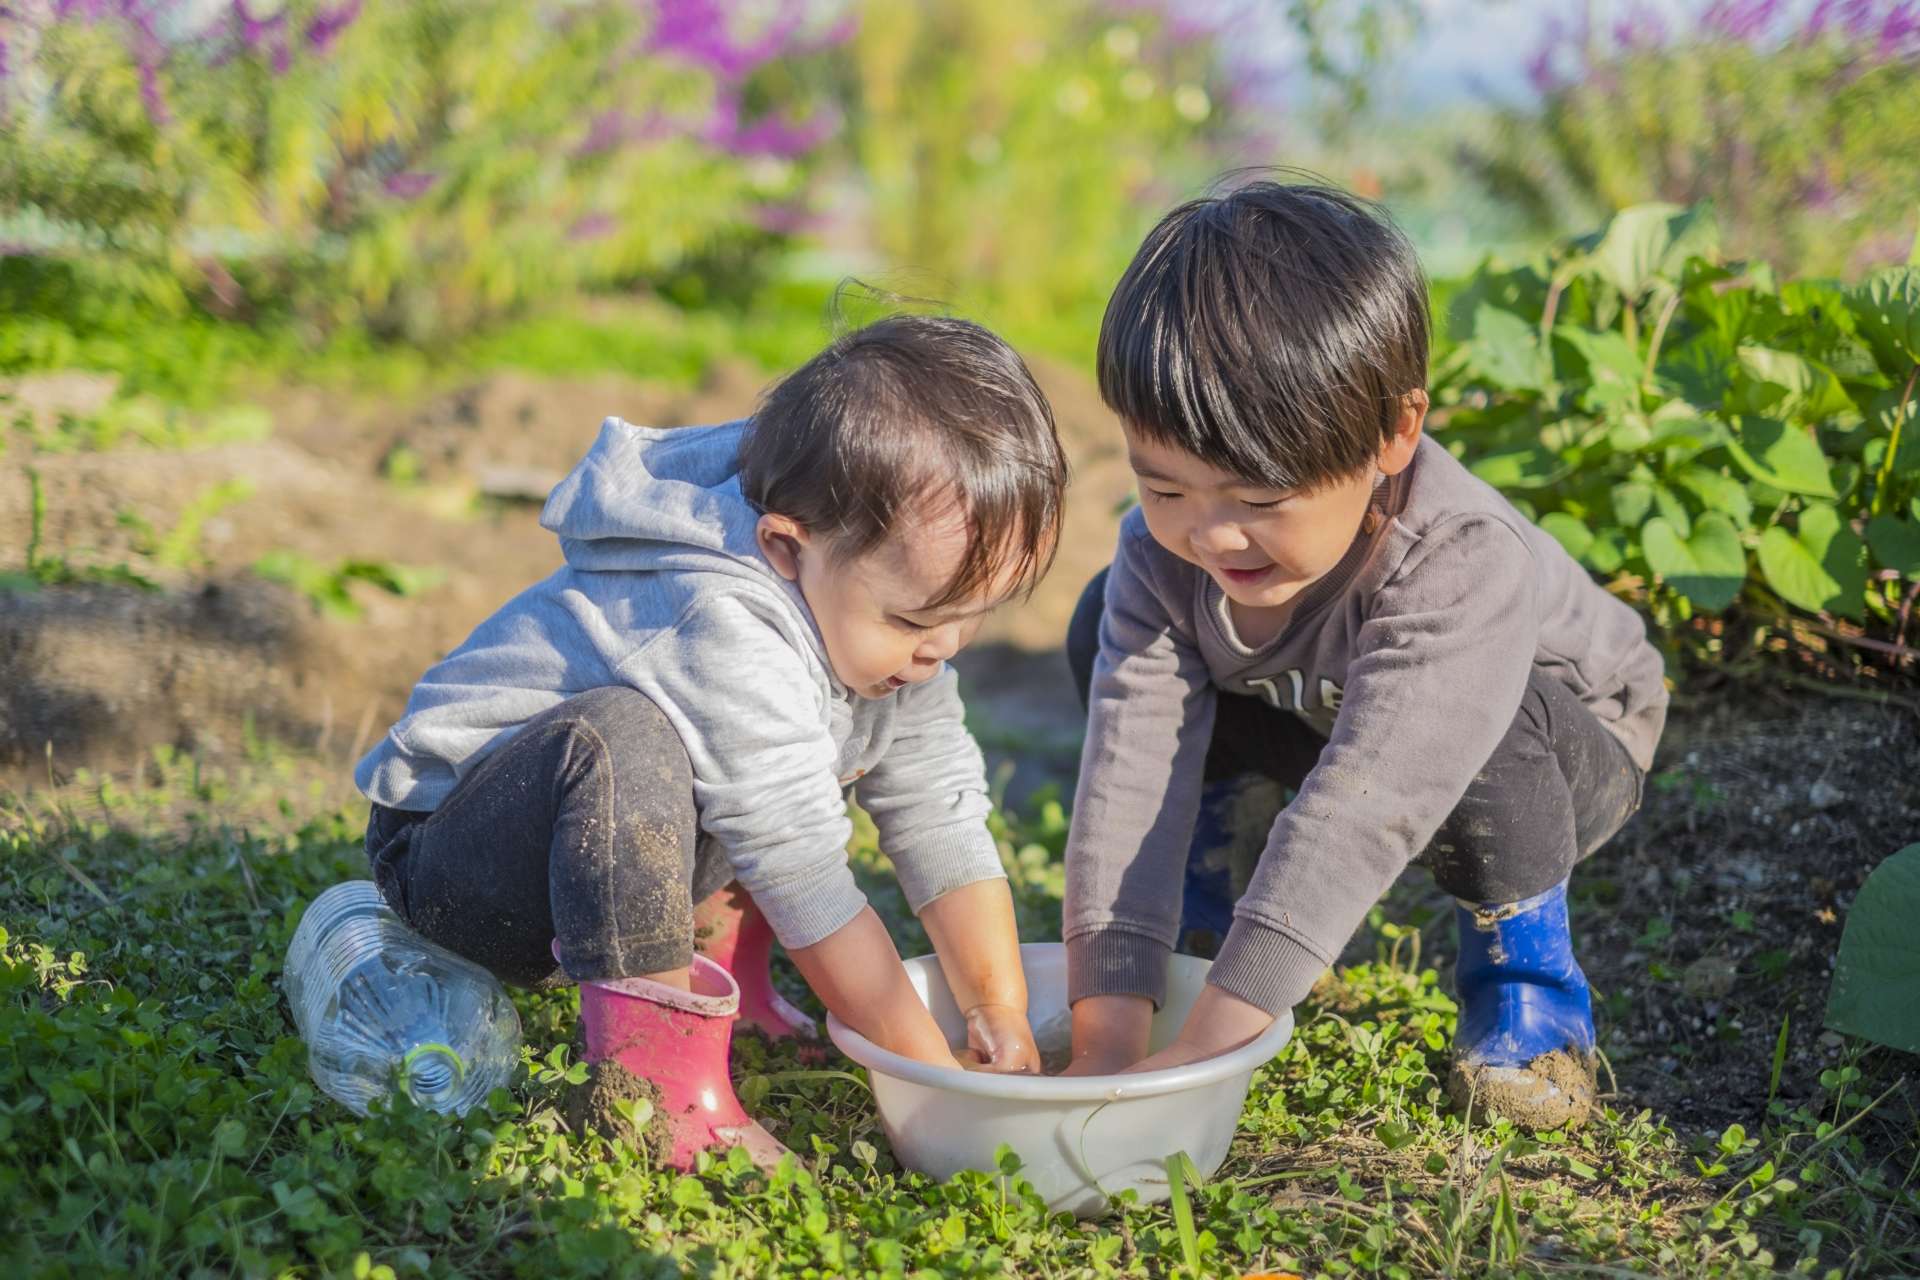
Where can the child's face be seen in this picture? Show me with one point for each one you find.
(871, 610)
(1263, 546)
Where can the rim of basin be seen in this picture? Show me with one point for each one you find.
(986, 1084)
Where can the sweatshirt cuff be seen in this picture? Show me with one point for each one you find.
(810, 911)
(1265, 967)
(943, 860)
(1114, 962)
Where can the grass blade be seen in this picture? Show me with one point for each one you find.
(1779, 1060)
(1178, 1166)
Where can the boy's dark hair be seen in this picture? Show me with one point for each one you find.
(1272, 330)
(901, 411)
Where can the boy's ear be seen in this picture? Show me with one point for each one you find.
(781, 540)
(1397, 453)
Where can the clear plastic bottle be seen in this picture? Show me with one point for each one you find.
(379, 1005)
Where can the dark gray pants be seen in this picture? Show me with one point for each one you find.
(1557, 787)
(580, 827)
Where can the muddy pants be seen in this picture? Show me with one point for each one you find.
(580, 827)
(1556, 788)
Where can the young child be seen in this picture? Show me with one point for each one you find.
(752, 617)
(1313, 596)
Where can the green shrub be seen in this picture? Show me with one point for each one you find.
(1696, 428)
(1799, 123)
(414, 167)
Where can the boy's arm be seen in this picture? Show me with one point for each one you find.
(1436, 680)
(1150, 716)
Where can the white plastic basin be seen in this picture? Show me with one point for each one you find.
(1079, 1138)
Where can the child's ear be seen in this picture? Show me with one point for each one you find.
(781, 540)
(1397, 453)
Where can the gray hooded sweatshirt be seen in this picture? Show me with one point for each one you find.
(665, 591)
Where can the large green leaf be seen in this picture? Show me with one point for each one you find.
(1716, 491)
(1569, 532)
(1531, 467)
(1822, 565)
(1896, 544)
(1790, 385)
(1613, 366)
(1506, 350)
(1782, 455)
(1876, 978)
(1649, 242)
(1887, 306)
(1709, 568)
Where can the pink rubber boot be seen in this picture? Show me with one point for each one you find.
(729, 930)
(679, 1042)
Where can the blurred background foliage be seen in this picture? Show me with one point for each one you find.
(187, 185)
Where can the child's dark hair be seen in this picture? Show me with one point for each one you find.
(908, 409)
(1272, 330)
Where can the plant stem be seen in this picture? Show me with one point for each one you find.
(1659, 336)
(1893, 445)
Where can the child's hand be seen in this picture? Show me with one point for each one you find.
(1109, 1034)
(1000, 1039)
(1218, 1022)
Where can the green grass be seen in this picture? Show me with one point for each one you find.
(156, 1117)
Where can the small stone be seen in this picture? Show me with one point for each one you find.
(1824, 795)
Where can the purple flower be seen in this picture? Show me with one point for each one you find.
(327, 26)
(409, 184)
(785, 219)
(591, 227)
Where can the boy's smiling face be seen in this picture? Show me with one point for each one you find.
(872, 610)
(1262, 546)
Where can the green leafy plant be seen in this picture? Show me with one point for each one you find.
(1708, 437)
(1876, 978)
(329, 587)
(52, 569)
(179, 547)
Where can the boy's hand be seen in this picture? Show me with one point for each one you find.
(1000, 1039)
(1217, 1023)
(1110, 1034)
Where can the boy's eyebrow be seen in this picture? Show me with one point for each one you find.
(1146, 472)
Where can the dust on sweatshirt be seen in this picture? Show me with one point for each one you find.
(1410, 656)
(664, 590)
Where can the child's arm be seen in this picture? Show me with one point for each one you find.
(857, 974)
(1150, 717)
(974, 935)
(750, 710)
(928, 798)
(1435, 681)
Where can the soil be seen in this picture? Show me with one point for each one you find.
(1709, 921)
(593, 1107)
(219, 660)
(1555, 1091)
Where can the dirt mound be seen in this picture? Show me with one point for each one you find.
(103, 673)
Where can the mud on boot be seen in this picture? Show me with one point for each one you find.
(1524, 1048)
(679, 1043)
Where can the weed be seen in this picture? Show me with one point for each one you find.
(156, 1117)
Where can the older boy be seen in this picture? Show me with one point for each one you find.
(1313, 596)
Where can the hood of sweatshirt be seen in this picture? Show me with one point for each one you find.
(651, 499)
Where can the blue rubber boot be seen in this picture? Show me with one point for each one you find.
(1236, 816)
(1524, 1048)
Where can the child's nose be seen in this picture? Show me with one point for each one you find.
(1218, 538)
(941, 643)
